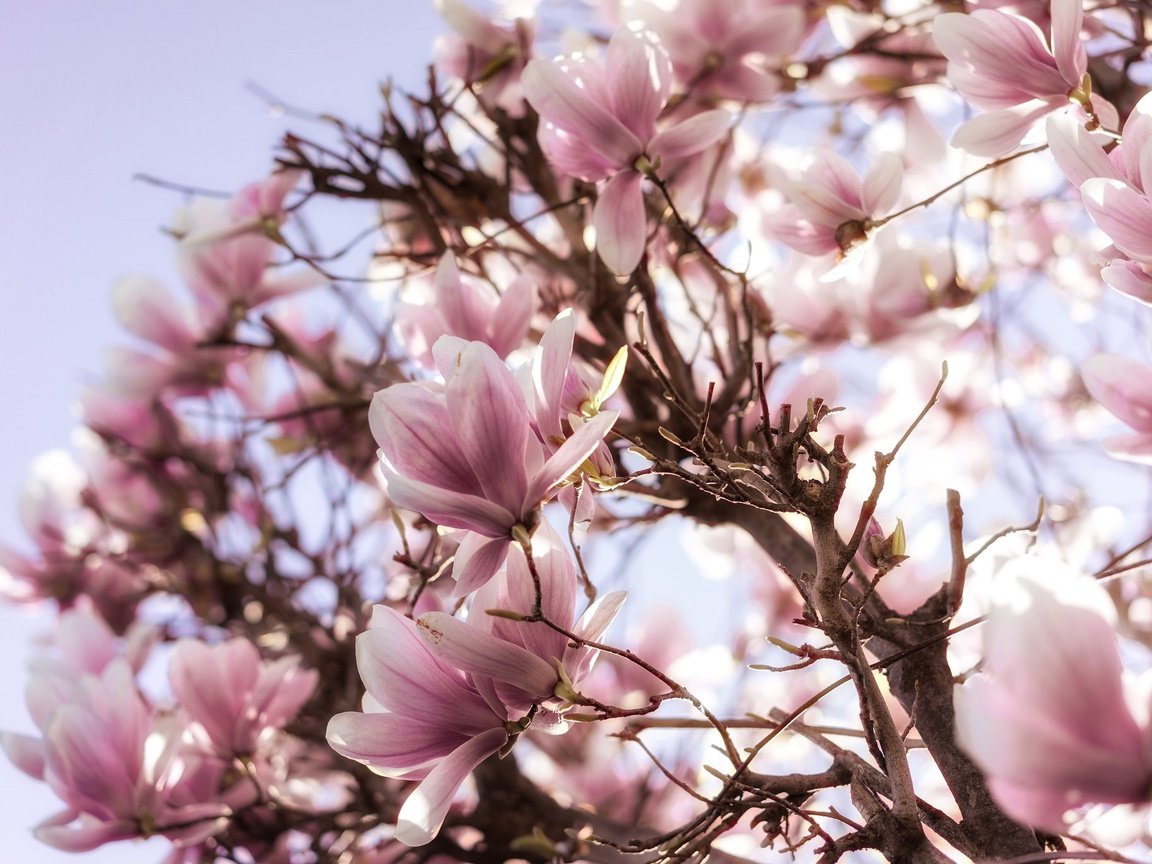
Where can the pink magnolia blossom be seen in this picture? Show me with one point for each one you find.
(599, 123)
(470, 311)
(1003, 63)
(120, 773)
(467, 457)
(422, 720)
(528, 663)
(1049, 722)
(1115, 188)
(831, 208)
(1124, 387)
(728, 49)
(146, 308)
(485, 54)
(236, 697)
(225, 253)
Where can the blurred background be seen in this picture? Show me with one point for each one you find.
(92, 95)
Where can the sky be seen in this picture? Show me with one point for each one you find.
(92, 95)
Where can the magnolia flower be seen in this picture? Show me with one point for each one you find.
(1115, 188)
(468, 457)
(1003, 63)
(1124, 387)
(226, 249)
(234, 696)
(120, 773)
(422, 720)
(482, 52)
(599, 123)
(1049, 722)
(722, 48)
(528, 663)
(832, 208)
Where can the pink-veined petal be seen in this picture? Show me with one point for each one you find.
(1122, 213)
(560, 101)
(76, 832)
(621, 226)
(448, 507)
(998, 132)
(490, 422)
(881, 184)
(391, 745)
(425, 808)
(1067, 19)
(1076, 152)
(640, 77)
(690, 136)
(513, 315)
(478, 652)
(25, 752)
(477, 560)
(570, 455)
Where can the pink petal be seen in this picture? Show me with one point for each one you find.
(1067, 19)
(391, 745)
(621, 226)
(473, 650)
(571, 455)
(477, 560)
(424, 811)
(998, 132)
(490, 422)
(25, 752)
(1122, 213)
(448, 507)
(640, 77)
(1128, 278)
(1123, 386)
(1076, 151)
(558, 100)
(148, 310)
(551, 371)
(62, 832)
(410, 423)
(404, 677)
(513, 315)
(881, 185)
(690, 136)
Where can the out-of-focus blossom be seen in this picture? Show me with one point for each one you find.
(1124, 387)
(119, 771)
(831, 207)
(599, 122)
(467, 457)
(422, 720)
(728, 49)
(470, 311)
(1002, 62)
(484, 54)
(234, 695)
(1048, 721)
(226, 251)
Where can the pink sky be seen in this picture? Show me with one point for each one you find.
(90, 95)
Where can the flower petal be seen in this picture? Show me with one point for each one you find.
(621, 227)
(424, 811)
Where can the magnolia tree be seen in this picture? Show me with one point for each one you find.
(684, 430)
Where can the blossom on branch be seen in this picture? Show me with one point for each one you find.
(467, 456)
(1003, 63)
(1049, 721)
(599, 123)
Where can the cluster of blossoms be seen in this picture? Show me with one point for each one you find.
(330, 546)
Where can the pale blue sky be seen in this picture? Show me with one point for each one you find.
(91, 94)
